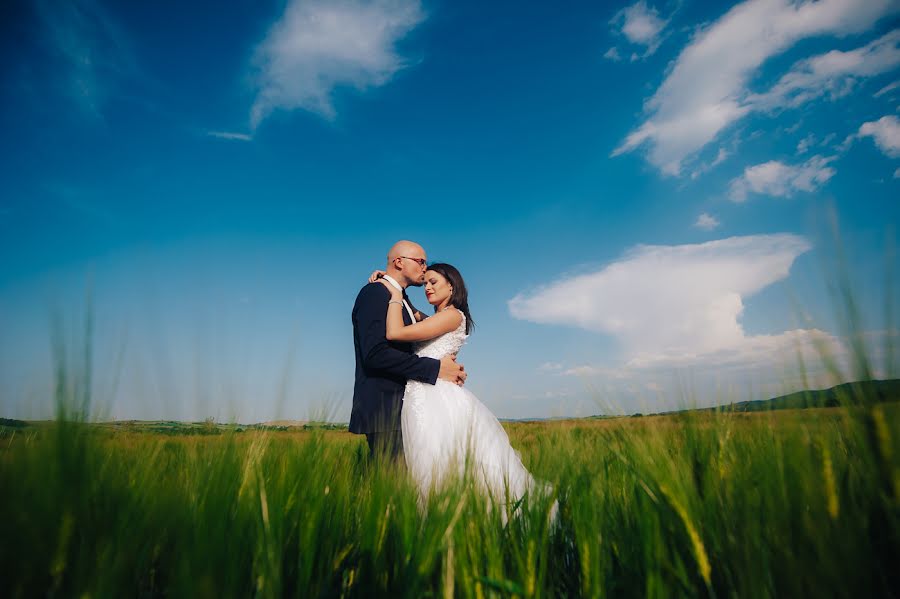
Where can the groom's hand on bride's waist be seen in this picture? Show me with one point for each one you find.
(452, 371)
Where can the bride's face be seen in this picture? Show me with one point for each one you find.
(437, 289)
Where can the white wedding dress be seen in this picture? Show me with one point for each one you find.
(446, 429)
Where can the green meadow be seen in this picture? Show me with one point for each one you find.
(724, 504)
(795, 497)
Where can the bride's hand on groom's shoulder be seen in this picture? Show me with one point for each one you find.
(396, 294)
(376, 276)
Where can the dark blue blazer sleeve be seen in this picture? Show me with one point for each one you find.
(378, 354)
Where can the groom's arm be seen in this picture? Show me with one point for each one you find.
(377, 352)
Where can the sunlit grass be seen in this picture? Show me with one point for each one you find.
(786, 503)
(704, 503)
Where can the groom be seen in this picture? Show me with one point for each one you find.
(382, 366)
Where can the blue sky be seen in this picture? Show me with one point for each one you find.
(638, 195)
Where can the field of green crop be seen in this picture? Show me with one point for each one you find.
(787, 503)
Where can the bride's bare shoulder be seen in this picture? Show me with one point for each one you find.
(444, 321)
(453, 315)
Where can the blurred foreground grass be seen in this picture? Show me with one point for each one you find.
(789, 503)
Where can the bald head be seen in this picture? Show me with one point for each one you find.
(406, 248)
(406, 263)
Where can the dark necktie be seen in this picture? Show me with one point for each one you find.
(405, 311)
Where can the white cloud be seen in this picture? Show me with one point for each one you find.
(887, 89)
(587, 370)
(833, 73)
(886, 133)
(760, 367)
(612, 54)
(706, 222)
(752, 352)
(721, 157)
(805, 143)
(668, 302)
(582, 371)
(845, 145)
(550, 367)
(319, 45)
(777, 179)
(642, 26)
(793, 128)
(230, 135)
(706, 88)
(897, 174)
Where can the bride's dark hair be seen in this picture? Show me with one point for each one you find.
(459, 297)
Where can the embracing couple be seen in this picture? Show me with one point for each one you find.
(409, 398)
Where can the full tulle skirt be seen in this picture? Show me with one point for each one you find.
(449, 433)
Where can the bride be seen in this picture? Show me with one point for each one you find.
(445, 428)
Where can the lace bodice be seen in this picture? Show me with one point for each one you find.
(444, 345)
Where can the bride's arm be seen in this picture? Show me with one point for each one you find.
(442, 322)
(396, 330)
(377, 275)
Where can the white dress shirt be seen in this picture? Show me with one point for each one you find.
(397, 286)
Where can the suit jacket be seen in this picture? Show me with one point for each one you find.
(382, 366)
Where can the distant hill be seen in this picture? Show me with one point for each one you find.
(876, 391)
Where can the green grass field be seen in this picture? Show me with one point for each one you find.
(786, 503)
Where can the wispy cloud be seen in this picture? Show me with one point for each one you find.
(758, 367)
(833, 74)
(230, 135)
(706, 89)
(642, 26)
(887, 89)
(754, 351)
(704, 167)
(613, 54)
(886, 133)
(91, 48)
(706, 222)
(777, 179)
(589, 370)
(804, 144)
(669, 302)
(319, 45)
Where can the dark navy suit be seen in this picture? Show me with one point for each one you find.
(382, 367)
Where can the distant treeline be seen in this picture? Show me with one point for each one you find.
(844, 394)
(175, 428)
(213, 428)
